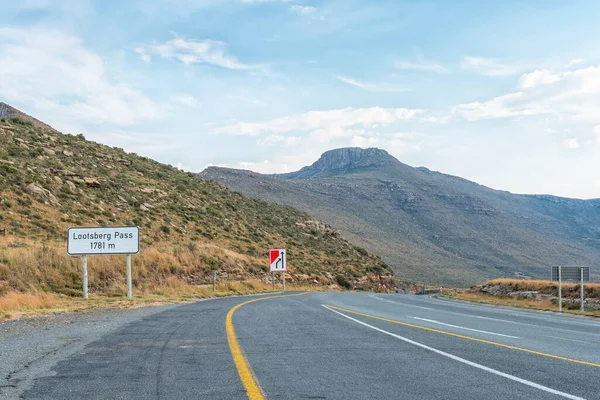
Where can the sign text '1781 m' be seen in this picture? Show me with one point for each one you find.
(101, 240)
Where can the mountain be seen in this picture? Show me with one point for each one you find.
(9, 112)
(430, 226)
(189, 226)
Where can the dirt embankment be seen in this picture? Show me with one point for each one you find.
(534, 294)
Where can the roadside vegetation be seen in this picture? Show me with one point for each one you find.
(190, 227)
(533, 294)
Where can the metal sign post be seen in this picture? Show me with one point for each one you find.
(573, 274)
(85, 276)
(214, 281)
(129, 291)
(273, 276)
(283, 279)
(559, 288)
(104, 240)
(582, 307)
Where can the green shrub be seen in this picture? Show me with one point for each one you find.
(343, 282)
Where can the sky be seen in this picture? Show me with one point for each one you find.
(504, 93)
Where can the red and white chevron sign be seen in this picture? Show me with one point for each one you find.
(277, 259)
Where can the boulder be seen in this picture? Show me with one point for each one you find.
(68, 153)
(49, 152)
(71, 186)
(43, 194)
(91, 182)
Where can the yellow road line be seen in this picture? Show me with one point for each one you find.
(241, 364)
(539, 353)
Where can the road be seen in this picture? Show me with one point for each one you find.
(335, 346)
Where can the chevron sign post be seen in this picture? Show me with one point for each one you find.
(277, 258)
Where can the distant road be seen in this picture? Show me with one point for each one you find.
(335, 346)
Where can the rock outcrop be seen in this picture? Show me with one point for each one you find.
(341, 161)
(42, 194)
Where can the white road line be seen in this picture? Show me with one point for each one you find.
(570, 340)
(462, 360)
(465, 328)
(496, 319)
(404, 304)
(465, 314)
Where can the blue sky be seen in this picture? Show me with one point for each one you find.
(503, 93)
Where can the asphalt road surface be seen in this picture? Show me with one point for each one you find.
(335, 346)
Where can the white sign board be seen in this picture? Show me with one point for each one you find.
(278, 261)
(105, 240)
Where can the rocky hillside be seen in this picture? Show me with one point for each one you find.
(431, 226)
(8, 112)
(50, 181)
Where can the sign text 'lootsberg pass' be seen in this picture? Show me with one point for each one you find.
(105, 240)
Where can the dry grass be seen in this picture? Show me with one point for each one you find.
(14, 305)
(514, 302)
(41, 278)
(26, 301)
(164, 267)
(538, 284)
(592, 290)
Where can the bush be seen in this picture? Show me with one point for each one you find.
(343, 282)
(211, 262)
(20, 121)
(361, 251)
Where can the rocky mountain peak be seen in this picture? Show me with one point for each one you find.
(343, 161)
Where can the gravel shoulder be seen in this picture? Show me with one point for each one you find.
(29, 348)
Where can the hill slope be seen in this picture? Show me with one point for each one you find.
(431, 226)
(11, 113)
(50, 181)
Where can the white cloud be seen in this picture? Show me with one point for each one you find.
(572, 94)
(371, 87)
(187, 99)
(575, 62)
(250, 100)
(537, 78)
(302, 10)
(264, 167)
(64, 83)
(142, 53)
(263, 1)
(140, 142)
(214, 165)
(490, 67)
(189, 51)
(361, 141)
(330, 123)
(571, 143)
(278, 140)
(421, 66)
